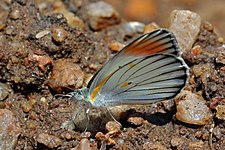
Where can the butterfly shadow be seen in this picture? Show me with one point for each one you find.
(157, 118)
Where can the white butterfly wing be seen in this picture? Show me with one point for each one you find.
(124, 75)
(154, 78)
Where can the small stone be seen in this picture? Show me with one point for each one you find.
(220, 39)
(43, 100)
(26, 106)
(151, 27)
(220, 52)
(196, 50)
(176, 141)
(101, 15)
(42, 61)
(214, 102)
(116, 46)
(153, 146)
(66, 74)
(4, 91)
(50, 141)
(186, 26)
(198, 134)
(60, 8)
(203, 71)
(83, 145)
(85, 135)
(9, 30)
(75, 22)
(192, 109)
(220, 112)
(112, 126)
(94, 66)
(69, 125)
(32, 124)
(2, 26)
(100, 136)
(9, 130)
(59, 34)
(42, 34)
(137, 121)
(196, 145)
(217, 132)
(15, 14)
(131, 28)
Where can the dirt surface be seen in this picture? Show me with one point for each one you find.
(38, 45)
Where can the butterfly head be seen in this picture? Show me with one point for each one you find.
(79, 94)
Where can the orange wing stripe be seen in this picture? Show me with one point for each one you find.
(98, 87)
(145, 49)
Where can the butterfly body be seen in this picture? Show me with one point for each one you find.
(148, 70)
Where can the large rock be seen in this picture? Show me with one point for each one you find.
(192, 109)
(186, 26)
(9, 130)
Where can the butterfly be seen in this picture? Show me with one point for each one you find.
(149, 69)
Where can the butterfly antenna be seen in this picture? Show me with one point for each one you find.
(49, 80)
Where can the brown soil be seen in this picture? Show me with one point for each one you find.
(38, 111)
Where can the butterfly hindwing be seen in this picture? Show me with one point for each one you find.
(154, 78)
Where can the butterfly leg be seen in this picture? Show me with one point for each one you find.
(87, 112)
(112, 116)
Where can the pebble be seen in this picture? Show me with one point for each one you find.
(203, 71)
(112, 126)
(9, 30)
(15, 14)
(131, 28)
(214, 102)
(198, 134)
(186, 26)
(4, 91)
(32, 124)
(42, 34)
(74, 21)
(83, 145)
(220, 52)
(220, 112)
(101, 15)
(196, 50)
(116, 46)
(192, 109)
(59, 34)
(42, 61)
(65, 73)
(137, 121)
(153, 146)
(100, 136)
(69, 125)
(177, 141)
(26, 106)
(196, 145)
(9, 130)
(218, 132)
(50, 141)
(151, 27)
